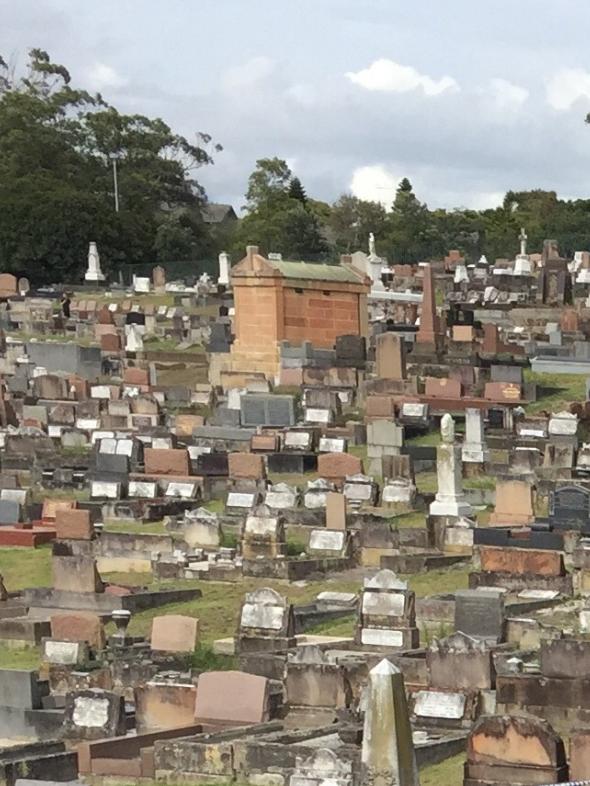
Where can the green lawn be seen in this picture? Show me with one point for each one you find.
(29, 658)
(446, 773)
(23, 568)
(136, 527)
(555, 392)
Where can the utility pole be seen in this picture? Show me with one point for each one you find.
(116, 183)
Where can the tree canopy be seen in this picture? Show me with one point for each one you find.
(57, 146)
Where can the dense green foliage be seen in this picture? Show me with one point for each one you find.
(57, 148)
(282, 217)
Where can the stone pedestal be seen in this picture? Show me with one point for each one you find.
(450, 499)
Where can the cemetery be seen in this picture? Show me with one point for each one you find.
(301, 524)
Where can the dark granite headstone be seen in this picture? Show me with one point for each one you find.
(112, 463)
(569, 508)
(480, 613)
(482, 536)
(292, 462)
(212, 464)
(550, 541)
(267, 410)
(506, 374)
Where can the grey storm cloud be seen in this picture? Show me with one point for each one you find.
(460, 97)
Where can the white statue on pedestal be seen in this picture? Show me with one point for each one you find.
(224, 268)
(94, 273)
(372, 248)
(374, 266)
(450, 500)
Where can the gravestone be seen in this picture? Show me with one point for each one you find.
(267, 623)
(513, 749)
(360, 490)
(460, 663)
(327, 542)
(335, 511)
(267, 410)
(174, 633)
(316, 494)
(480, 614)
(249, 697)
(200, 529)
(514, 504)
(569, 508)
(93, 715)
(387, 616)
(388, 755)
(322, 768)
(281, 496)
(390, 356)
(263, 535)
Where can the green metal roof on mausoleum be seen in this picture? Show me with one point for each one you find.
(315, 271)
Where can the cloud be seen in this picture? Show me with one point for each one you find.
(388, 76)
(101, 76)
(566, 87)
(375, 182)
(506, 96)
(248, 74)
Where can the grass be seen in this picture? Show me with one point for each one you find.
(414, 518)
(446, 773)
(188, 375)
(341, 627)
(430, 439)
(292, 478)
(219, 606)
(136, 527)
(215, 505)
(23, 568)
(204, 659)
(439, 581)
(161, 344)
(555, 392)
(29, 658)
(39, 494)
(427, 483)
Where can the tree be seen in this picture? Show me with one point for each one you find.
(410, 230)
(352, 219)
(296, 191)
(269, 184)
(56, 184)
(279, 217)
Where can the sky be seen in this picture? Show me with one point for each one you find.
(468, 99)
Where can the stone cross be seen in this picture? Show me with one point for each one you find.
(523, 239)
(388, 755)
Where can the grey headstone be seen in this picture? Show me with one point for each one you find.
(480, 613)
